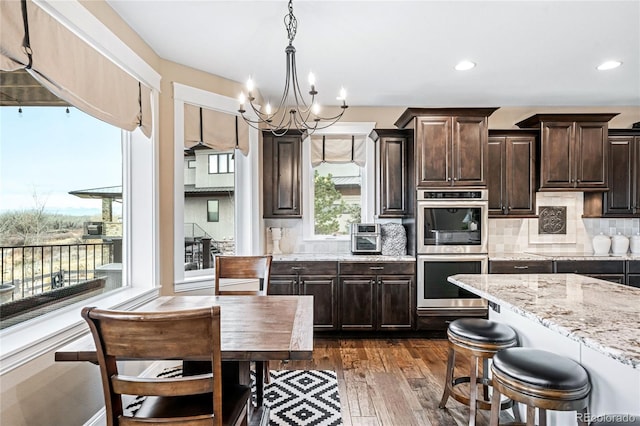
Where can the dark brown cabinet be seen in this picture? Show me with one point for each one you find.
(282, 175)
(394, 176)
(317, 279)
(633, 273)
(573, 150)
(623, 197)
(451, 145)
(520, 266)
(609, 270)
(511, 176)
(377, 296)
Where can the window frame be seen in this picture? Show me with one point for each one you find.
(26, 341)
(217, 211)
(367, 186)
(249, 227)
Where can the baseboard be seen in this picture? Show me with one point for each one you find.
(98, 419)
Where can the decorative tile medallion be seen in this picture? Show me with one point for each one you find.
(552, 220)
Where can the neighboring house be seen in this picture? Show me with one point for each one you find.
(209, 193)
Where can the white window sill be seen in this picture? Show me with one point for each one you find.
(24, 342)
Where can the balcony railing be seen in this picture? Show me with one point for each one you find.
(29, 271)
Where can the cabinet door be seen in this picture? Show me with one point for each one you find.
(469, 165)
(324, 300)
(591, 155)
(519, 175)
(393, 177)
(283, 285)
(619, 200)
(357, 303)
(282, 176)
(636, 175)
(395, 302)
(434, 151)
(556, 168)
(495, 176)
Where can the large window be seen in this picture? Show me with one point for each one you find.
(337, 200)
(221, 163)
(61, 216)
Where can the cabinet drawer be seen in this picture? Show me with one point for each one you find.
(306, 268)
(634, 266)
(590, 267)
(520, 267)
(377, 268)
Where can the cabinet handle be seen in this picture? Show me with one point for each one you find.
(296, 268)
(455, 178)
(376, 268)
(520, 267)
(578, 180)
(509, 208)
(448, 179)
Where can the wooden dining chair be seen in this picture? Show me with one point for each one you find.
(194, 400)
(247, 267)
(243, 267)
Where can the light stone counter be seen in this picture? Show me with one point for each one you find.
(601, 315)
(342, 257)
(560, 256)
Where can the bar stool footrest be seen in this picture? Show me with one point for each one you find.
(480, 403)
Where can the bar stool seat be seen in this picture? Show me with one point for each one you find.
(480, 339)
(539, 379)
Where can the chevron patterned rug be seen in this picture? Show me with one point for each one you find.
(294, 397)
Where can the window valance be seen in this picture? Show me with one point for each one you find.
(338, 149)
(70, 68)
(215, 129)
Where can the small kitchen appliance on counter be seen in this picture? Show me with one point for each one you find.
(366, 238)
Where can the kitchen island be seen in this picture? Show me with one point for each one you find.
(592, 321)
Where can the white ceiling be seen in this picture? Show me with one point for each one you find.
(402, 53)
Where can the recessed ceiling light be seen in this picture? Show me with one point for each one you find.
(609, 65)
(465, 65)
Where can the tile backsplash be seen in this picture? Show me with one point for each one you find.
(505, 235)
(521, 235)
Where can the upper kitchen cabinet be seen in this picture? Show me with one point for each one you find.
(451, 145)
(573, 150)
(511, 176)
(394, 172)
(623, 197)
(282, 175)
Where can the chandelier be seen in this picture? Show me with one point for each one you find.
(300, 115)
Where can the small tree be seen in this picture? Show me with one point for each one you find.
(328, 205)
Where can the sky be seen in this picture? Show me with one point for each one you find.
(47, 152)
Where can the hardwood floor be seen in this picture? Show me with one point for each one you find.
(389, 381)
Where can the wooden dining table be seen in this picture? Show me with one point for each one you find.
(252, 328)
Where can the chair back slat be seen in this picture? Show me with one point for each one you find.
(176, 386)
(238, 267)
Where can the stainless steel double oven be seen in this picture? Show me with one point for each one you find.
(452, 232)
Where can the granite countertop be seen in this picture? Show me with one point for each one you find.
(601, 315)
(560, 256)
(343, 257)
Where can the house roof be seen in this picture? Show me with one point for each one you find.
(104, 192)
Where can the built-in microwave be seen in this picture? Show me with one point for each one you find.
(366, 238)
(452, 221)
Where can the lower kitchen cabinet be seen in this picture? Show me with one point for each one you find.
(377, 296)
(633, 273)
(609, 270)
(317, 279)
(520, 267)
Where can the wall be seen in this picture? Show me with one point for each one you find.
(521, 235)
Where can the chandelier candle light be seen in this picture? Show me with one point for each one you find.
(301, 115)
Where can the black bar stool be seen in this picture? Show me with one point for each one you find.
(480, 339)
(542, 380)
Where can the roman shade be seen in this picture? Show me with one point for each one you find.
(70, 68)
(217, 130)
(338, 149)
